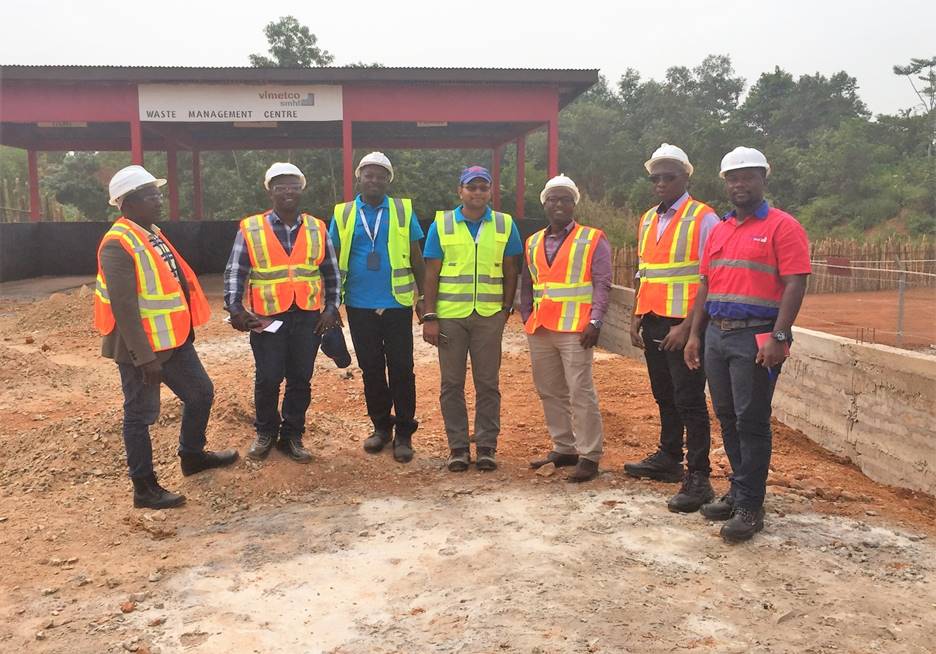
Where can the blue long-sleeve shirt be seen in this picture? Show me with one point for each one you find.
(238, 266)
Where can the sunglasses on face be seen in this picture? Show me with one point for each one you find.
(286, 188)
(666, 178)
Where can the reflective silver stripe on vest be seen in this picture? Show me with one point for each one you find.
(402, 272)
(741, 299)
(456, 297)
(500, 223)
(150, 276)
(578, 260)
(269, 275)
(682, 230)
(742, 263)
(562, 292)
(168, 304)
(679, 294)
(670, 271)
(163, 330)
(644, 226)
(254, 229)
(346, 212)
(448, 223)
(489, 297)
(401, 217)
(457, 279)
(405, 288)
(487, 279)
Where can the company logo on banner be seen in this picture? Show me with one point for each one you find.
(225, 103)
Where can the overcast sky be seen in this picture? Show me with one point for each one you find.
(862, 37)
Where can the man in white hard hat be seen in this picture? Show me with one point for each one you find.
(147, 302)
(377, 238)
(754, 272)
(671, 238)
(284, 264)
(564, 290)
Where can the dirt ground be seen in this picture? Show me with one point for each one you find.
(357, 554)
(872, 316)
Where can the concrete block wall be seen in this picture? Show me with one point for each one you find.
(874, 404)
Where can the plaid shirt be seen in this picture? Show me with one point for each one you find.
(238, 266)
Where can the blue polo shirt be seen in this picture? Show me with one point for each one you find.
(433, 249)
(370, 289)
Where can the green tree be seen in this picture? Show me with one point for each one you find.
(74, 181)
(292, 45)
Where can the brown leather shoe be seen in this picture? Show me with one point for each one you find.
(557, 459)
(585, 470)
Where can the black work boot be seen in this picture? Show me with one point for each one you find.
(695, 491)
(292, 447)
(742, 525)
(585, 470)
(403, 448)
(486, 459)
(148, 494)
(459, 459)
(659, 465)
(376, 441)
(720, 510)
(557, 459)
(261, 446)
(193, 463)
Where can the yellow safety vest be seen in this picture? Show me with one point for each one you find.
(402, 280)
(472, 275)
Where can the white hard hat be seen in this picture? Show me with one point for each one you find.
(671, 153)
(560, 181)
(282, 168)
(742, 157)
(127, 180)
(374, 159)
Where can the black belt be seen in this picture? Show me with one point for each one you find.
(726, 324)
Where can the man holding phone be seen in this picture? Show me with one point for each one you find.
(753, 278)
(471, 278)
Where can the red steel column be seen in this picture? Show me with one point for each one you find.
(347, 159)
(136, 140)
(172, 172)
(196, 185)
(496, 174)
(521, 175)
(552, 168)
(35, 207)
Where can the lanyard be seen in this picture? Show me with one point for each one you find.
(372, 237)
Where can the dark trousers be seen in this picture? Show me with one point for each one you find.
(286, 354)
(741, 394)
(185, 376)
(384, 348)
(680, 394)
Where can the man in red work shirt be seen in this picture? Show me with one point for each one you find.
(753, 272)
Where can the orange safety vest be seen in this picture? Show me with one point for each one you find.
(276, 279)
(167, 317)
(562, 292)
(669, 268)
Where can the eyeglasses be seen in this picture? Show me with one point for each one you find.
(474, 188)
(560, 199)
(666, 178)
(286, 188)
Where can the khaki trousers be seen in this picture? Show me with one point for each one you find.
(562, 372)
(480, 337)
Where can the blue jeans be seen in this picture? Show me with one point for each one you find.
(185, 376)
(287, 354)
(741, 394)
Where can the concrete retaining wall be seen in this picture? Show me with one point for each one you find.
(875, 405)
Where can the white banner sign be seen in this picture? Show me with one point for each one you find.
(226, 103)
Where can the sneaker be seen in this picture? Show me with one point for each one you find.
(720, 510)
(695, 491)
(742, 525)
(659, 465)
(458, 460)
(486, 460)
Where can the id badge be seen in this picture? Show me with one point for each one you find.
(373, 260)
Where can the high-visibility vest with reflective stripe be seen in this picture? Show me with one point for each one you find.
(669, 268)
(472, 275)
(402, 280)
(166, 316)
(277, 279)
(562, 292)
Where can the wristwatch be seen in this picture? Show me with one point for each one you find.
(429, 317)
(595, 323)
(509, 310)
(781, 336)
